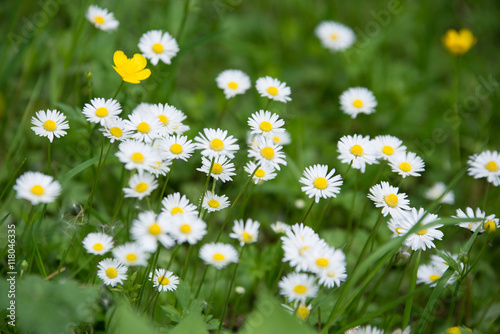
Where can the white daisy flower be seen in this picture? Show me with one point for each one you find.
(213, 202)
(485, 164)
(296, 286)
(273, 89)
(161, 166)
(367, 330)
(222, 169)
(431, 273)
(490, 223)
(145, 126)
(233, 82)
(37, 188)
(115, 129)
(438, 189)
(131, 254)
(264, 123)
(357, 150)
(246, 232)
(282, 138)
(280, 227)
(297, 243)
(177, 147)
(164, 280)
(335, 36)
(319, 183)
(143, 108)
(387, 146)
(407, 163)
(148, 229)
(386, 197)
(218, 254)
(157, 45)
(216, 142)
(112, 272)
(263, 172)
(50, 124)
(140, 185)
(175, 204)
(357, 100)
(169, 116)
(97, 243)
(101, 18)
(267, 153)
(329, 264)
(100, 110)
(136, 155)
(187, 228)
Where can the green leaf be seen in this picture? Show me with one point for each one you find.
(126, 321)
(78, 169)
(193, 323)
(172, 313)
(183, 295)
(449, 260)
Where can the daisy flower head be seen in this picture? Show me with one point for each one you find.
(246, 232)
(145, 126)
(357, 100)
(213, 202)
(175, 204)
(222, 168)
(97, 243)
(132, 70)
(297, 286)
(431, 273)
(164, 280)
(406, 164)
(101, 18)
(262, 173)
(319, 183)
(216, 142)
(282, 138)
(280, 227)
(115, 129)
(100, 110)
(459, 42)
(112, 272)
(148, 229)
(170, 118)
(264, 123)
(140, 185)
(273, 89)
(357, 151)
(37, 188)
(131, 254)
(437, 190)
(329, 264)
(366, 330)
(157, 45)
(487, 165)
(177, 147)
(298, 242)
(387, 197)
(161, 166)
(388, 146)
(267, 153)
(233, 82)
(218, 254)
(50, 124)
(490, 223)
(187, 228)
(335, 36)
(136, 155)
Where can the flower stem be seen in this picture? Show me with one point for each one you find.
(91, 197)
(223, 112)
(353, 204)
(201, 282)
(165, 186)
(206, 186)
(188, 257)
(49, 158)
(118, 90)
(370, 237)
(183, 22)
(221, 319)
(308, 211)
(409, 301)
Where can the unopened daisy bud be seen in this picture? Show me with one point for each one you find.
(88, 75)
(300, 203)
(303, 311)
(239, 290)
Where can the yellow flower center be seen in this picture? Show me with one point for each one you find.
(322, 262)
(216, 168)
(320, 183)
(266, 126)
(490, 226)
(217, 144)
(453, 330)
(357, 150)
(272, 90)
(131, 257)
(303, 249)
(219, 257)
(163, 280)
(155, 229)
(97, 246)
(492, 166)
(37, 190)
(388, 150)
(163, 119)
(49, 125)
(143, 127)
(232, 85)
(331, 274)
(422, 231)
(141, 187)
(99, 19)
(185, 228)
(303, 312)
(398, 230)
(176, 148)
(101, 112)
(247, 237)
(116, 131)
(391, 200)
(300, 289)
(111, 272)
(137, 157)
(157, 48)
(357, 103)
(405, 167)
(434, 277)
(260, 173)
(267, 152)
(177, 210)
(334, 36)
(276, 139)
(213, 203)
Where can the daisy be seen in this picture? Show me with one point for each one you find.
(112, 272)
(213, 202)
(246, 232)
(114, 128)
(175, 204)
(296, 286)
(233, 82)
(50, 124)
(187, 228)
(367, 330)
(97, 243)
(280, 227)
(386, 197)
(136, 155)
(37, 188)
(273, 89)
(267, 153)
(262, 173)
(297, 243)
(335, 36)
(131, 254)
(161, 166)
(357, 100)
(387, 146)
(357, 150)
(490, 223)
(100, 110)
(101, 18)
(222, 168)
(485, 164)
(157, 45)
(145, 127)
(319, 183)
(282, 138)
(431, 273)
(437, 190)
(177, 147)
(218, 254)
(148, 229)
(140, 185)
(302, 311)
(169, 116)
(164, 280)
(407, 163)
(216, 142)
(329, 264)
(264, 123)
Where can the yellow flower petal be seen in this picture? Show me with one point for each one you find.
(131, 69)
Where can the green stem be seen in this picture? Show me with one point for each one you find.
(348, 169)
(229, 292)
(91, 197)
(49, 158)
(413, 282)
(353, 204)
(165, 186)
(223, 112)
(371, 236)
(118, 90)
(206, 186)
(201, 282)
(453, 302)
(176, 249)
(308, 211)
(188, 257)
(455, 105)
(183, 22)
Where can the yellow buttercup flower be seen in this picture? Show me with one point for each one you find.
(459, 42)
(131, 69)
